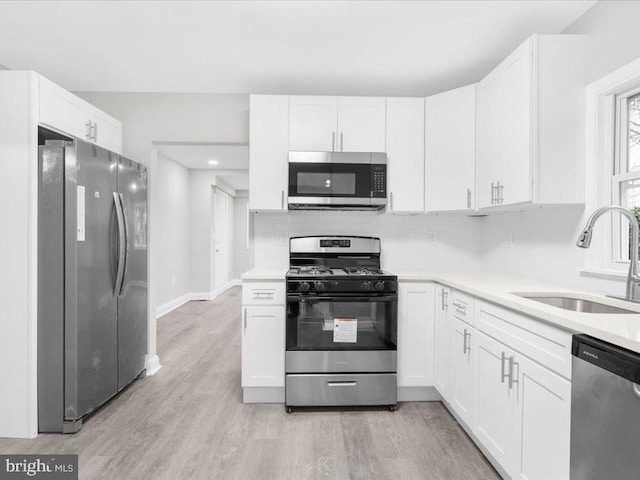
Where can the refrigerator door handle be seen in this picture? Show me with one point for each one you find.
(121, 243)
(126, 241)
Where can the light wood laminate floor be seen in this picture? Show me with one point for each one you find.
(188, 422)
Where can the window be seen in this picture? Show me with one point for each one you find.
(626, 170)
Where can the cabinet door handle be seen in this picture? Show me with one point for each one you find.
(95, 131)
(493, 193)
(444, 299)
(512, 380)
(88, 132)
(503, 375)
(341, 142)
(391, 201)
(245, 321)
(468, 198)
(333, 141)
(465, 348)
(500, 193)
(281, 199)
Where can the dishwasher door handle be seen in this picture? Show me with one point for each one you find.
(636, 390)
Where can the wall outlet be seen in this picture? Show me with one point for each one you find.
(282, 238)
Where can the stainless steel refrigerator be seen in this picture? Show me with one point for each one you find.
(92, 278)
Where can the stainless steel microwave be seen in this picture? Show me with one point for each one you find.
(337, 180)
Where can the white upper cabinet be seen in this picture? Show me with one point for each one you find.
(63, 111)
(268, 152)
(450, 150)
(313, 123)
(338, 124)
(405, 152)
(530, 133)
(361, 124)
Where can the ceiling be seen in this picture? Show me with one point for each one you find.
(233, 160)
(294, 47)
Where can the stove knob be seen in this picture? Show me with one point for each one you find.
(304, 286)
(319, 286)
(379, 286)
(366, 286)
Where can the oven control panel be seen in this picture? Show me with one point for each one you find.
(379, 181)
(355, 286)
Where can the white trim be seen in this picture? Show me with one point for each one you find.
(152, 365)
(172, 305)
(599, 156)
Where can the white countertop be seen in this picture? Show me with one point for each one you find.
(271, 274)
(619, 329)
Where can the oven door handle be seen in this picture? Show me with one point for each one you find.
(345, 298)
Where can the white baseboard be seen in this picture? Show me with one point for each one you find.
(152, 364)
(172, 305)
(201, 295)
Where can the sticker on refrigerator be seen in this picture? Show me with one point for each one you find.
(80, 213)
(345, 330)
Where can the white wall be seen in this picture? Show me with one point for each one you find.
(171, 200)
(612, 26)
(243, 257)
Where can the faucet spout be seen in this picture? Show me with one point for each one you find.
(584, 241)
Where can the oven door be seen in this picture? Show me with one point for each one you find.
(341, 323)
(329, 183)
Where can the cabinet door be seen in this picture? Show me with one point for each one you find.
(405, 151)
(463, 349)
(490, 131)
(268, 152)
(263, 346)
(313, 123)
(62, 110)
(361, 124)
(442, 342)
(494, 399)
(515, 169)
(542, 423)
(450, 150)
(415, 334)
(106, 131)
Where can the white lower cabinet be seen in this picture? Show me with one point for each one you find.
(463, 351)
(494, 399)
(263, 341)
(442, 361)
(415, 334)
(542, 423)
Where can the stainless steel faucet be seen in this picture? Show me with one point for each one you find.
(584, 241)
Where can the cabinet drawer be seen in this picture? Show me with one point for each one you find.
(343, 389)
(263, 293)
(462, 307)
(544, 343)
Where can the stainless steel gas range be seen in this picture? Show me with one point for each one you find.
(341, 326)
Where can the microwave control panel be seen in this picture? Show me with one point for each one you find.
(378, 181)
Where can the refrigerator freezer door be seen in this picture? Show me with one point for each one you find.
(132, 300)
(91, 330)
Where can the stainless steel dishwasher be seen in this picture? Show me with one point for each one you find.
(605, 411)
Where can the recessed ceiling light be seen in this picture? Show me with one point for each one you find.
(213, 162)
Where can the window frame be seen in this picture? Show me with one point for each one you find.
(602, 157)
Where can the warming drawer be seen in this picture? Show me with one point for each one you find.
(341, 390)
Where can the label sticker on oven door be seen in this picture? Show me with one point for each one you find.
(345, 330)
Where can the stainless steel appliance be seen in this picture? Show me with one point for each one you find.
(341, 325)
(92, 278)
(605, 411)
(337, 180)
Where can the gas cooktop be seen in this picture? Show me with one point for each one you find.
(321, 270)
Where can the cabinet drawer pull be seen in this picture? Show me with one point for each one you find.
(343, 383)
(263, 294)
(460, 307)
(512, 380)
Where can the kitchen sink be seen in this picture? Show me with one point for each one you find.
(575, 304)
